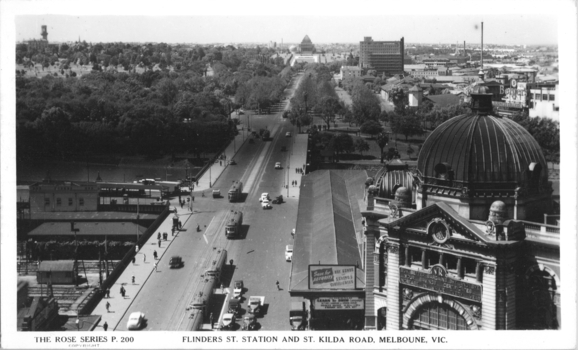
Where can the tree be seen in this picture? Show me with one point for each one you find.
(410, 151)
(361, 145)
(328, 106)
(342, 143)
(407, 125)
(371, 127)
(381, 140)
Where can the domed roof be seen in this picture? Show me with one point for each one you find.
(482, 151)
(306, 40)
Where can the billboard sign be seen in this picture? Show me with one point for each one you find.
(516, 94)
(332, 277)
(338, 303)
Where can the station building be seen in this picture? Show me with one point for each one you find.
(463, 243)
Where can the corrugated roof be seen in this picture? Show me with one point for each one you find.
(444, 100)
(328, 223)
(57, 265)
(87, 229)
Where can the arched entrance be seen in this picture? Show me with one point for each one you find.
(541, 311)
(430, 312)
(381, 318)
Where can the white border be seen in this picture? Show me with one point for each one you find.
(564, 9)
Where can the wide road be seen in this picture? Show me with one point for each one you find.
(259, 255)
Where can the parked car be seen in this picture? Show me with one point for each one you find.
(289, 252)
(278, 200)
(176, 262)
(232, 162)
(278, 165)
(288, 134)
(238, 289)
(228, 322)
(265, 204)
(216, 193)
(135, 321)
(264, 196)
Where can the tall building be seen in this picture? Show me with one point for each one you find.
(40, 44)
(382, 56)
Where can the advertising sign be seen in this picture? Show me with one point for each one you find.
(440, 283)
(338, 303)
(331, 277)
(516, 95)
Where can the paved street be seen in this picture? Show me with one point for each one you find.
(164, 295)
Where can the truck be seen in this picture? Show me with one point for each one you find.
(216, 264)
(233, 227)
(234, 306)
(297, 316)
(236, 191)
(255, 305)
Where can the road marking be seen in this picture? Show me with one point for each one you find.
(206, 240)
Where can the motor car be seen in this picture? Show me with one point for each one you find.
(293, 232)
(288, 134)
(278, 165)
(176, 262)
(135, 321)
(249, 323)
(228, 321)
(217, 193)
(278, 199)
(265, 196)
(265, 204)
(289, 252)
(238, 289)
(232, 162)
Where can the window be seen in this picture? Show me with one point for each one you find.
(552, 97)
(46, 201)
(544, 97)
(58, 201)
(69, 201)
(469, 266)
(435, 316)
(81, 201)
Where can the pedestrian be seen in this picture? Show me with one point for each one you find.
(277, 283)
(159, 236)
(107, 306)
(136, 249)
(133, 260)
(105, 326)
(108, 292)
(211, 320)
(296, 183)
(159, 243)
(155, 255)
(182, 203)
(231, 262)
(197, 183)
(156, 265)
(122, 291)
(144, 258)
(193, 198)
(132, 279)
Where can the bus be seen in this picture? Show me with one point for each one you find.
(233, 227)
(236, 191)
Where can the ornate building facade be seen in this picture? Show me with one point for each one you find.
(458, 245)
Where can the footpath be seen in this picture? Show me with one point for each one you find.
(144, 264)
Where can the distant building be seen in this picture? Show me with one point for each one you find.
(383, 56)
(39, 44)
(544, 102)
(349, 72)
(48, 195)
(307, 48)
(446, 61)
(57, 272)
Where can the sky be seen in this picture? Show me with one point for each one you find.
(505, 22)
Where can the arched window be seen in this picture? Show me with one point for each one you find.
(436, 316)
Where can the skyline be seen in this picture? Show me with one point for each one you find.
(498, 29)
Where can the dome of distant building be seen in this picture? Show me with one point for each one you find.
(293, 48)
